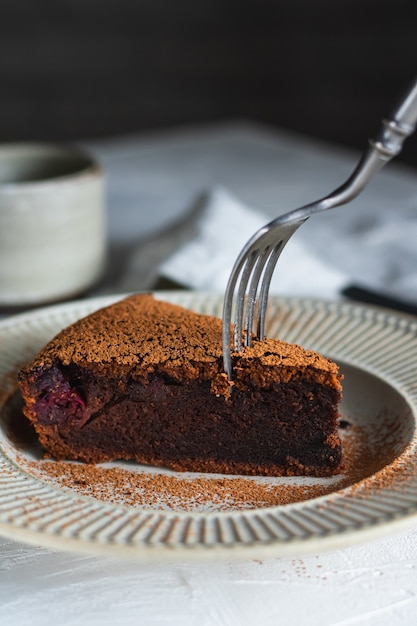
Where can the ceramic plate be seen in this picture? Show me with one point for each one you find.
(148, 513)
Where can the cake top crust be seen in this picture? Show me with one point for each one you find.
(143, 333)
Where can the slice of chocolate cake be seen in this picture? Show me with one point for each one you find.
(143, 379)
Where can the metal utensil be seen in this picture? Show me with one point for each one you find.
(253, 269)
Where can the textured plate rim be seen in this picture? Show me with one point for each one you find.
(288, 530)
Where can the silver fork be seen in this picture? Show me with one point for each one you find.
(257, 260)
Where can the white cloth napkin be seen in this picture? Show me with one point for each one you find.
(225, 225)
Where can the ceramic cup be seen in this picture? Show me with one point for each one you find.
(52, 223)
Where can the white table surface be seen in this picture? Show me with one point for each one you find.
(152, 182)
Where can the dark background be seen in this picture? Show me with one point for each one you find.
(83, 69)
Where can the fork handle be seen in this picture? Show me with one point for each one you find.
(400, 125)
(384, 147)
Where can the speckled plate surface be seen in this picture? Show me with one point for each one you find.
(375, 494)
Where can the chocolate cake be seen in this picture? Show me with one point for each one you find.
(143, 379)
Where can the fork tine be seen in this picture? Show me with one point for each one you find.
(286, 230)
(242, 270)
(253, 290)
(266, 282)
(241, 299)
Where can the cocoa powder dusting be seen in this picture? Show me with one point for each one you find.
(164, 491)
(142, 335)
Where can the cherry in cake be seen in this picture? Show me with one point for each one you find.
(143, 379)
